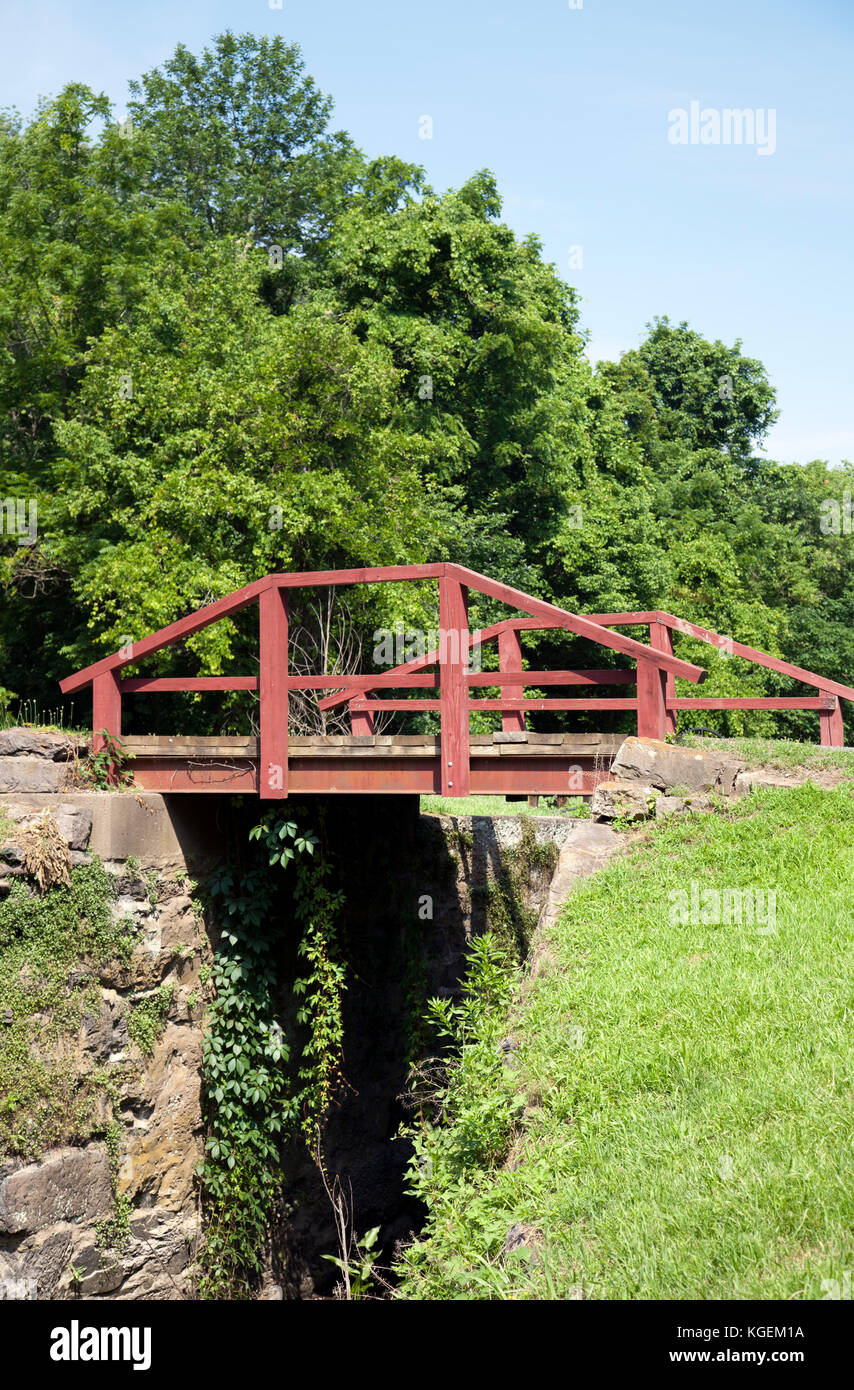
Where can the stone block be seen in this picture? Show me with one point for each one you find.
(622, 799)
(68, 1185)
(667, 766)
(27, 774)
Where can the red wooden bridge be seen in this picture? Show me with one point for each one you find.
(514, 762)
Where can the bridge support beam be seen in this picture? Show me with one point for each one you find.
(273, 692)
(652, 709)
(453, 687)
(661, 640)
(362, 721)
(106, 708)
(832, 728)
(510, 659)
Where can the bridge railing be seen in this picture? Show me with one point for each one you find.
(655, 669)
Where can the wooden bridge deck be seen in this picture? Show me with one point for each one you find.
(523, 763)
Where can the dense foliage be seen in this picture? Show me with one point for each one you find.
(255, 1101)
(231, 343)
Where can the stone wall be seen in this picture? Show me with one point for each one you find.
(56, 1213)
(417, 889)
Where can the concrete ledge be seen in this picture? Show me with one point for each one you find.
(160, 831)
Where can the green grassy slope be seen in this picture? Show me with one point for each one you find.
(695, 1138)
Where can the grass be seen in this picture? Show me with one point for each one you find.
(782, 753)
(684, 1090)
(500, 806)
(28, 715)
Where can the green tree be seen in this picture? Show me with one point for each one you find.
(241, 135)
(248, 442)
(485, 336)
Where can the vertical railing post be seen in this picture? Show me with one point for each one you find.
(273, 692)
(454, 687)
(510, 660)
(832, 727)
(106, 708)
(362, 721)
(661, 640)
(651, 707)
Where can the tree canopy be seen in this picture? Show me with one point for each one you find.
(231, 343)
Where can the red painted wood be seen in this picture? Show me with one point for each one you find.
(153, 684)
(652, 712)
(387, 680)
(377, 574)
(559, 617)
(530, 678)
(520, 776)
(661, 640)
(409, 705)
(182, 774)
(623, 619)
(453, 670)
(232, 603)
(657, 666)
(832, 727)
(362, 720)
(273, 648)
(509, 661)
(760, 658)
(106, 708)
(548, 703)
(756, 702)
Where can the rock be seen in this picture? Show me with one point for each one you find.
(587, 849)
(621, 799)
(159, 1157)
(68, 1185)
(100, 1271)
(523, 1237)
(178, 925)
(26, 774)
(38, 743)
(675, 805)
(154, 1264)
(73, 822)
(747, 782)
(106, 1034)
(667, 767)
(46, 1256)
(75, 826)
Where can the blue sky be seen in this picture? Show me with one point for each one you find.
(569, 107)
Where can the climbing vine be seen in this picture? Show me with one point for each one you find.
(257, 1098)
